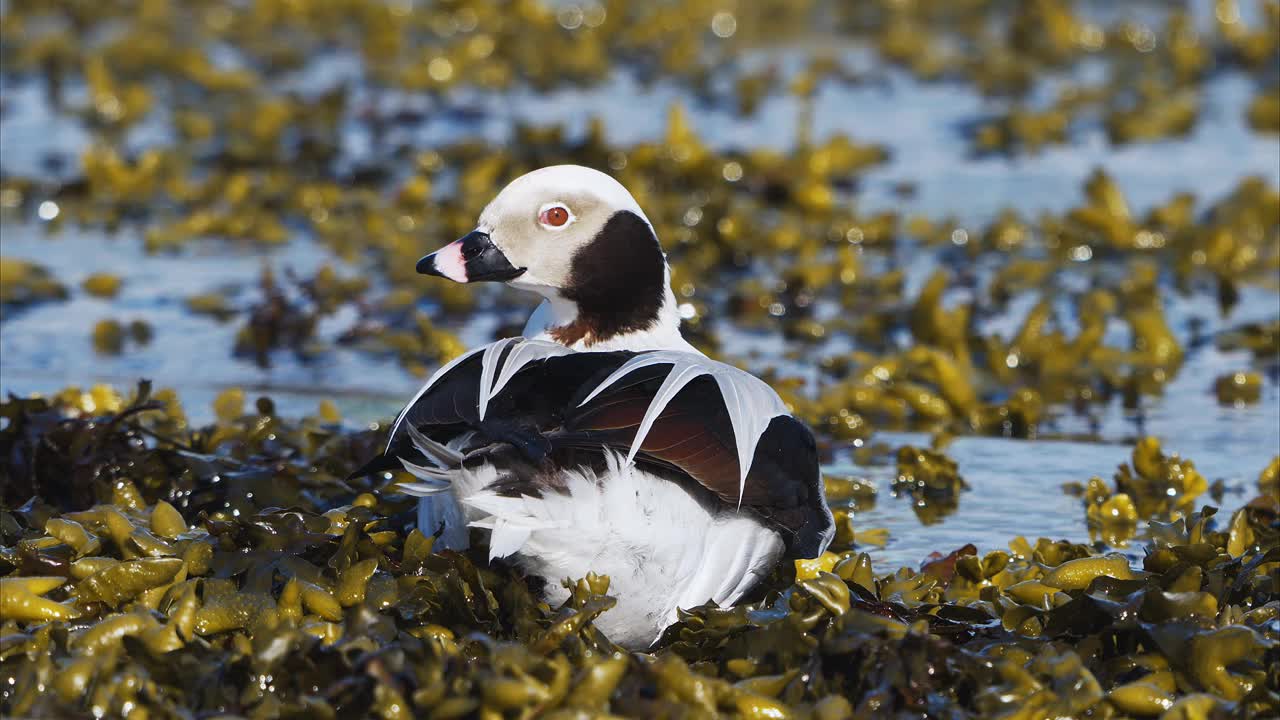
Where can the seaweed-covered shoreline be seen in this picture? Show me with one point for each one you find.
(220, 194)
(154, 570)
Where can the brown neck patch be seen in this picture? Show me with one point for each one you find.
(617, 282)
(573, 332)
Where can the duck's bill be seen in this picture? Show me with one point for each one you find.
(473, 258)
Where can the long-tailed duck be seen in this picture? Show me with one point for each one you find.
(601, 441)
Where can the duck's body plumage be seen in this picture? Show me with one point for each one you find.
(537, 444)
(601, 441)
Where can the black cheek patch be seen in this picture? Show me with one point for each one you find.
(618, 280)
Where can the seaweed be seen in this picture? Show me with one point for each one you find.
(151, 567)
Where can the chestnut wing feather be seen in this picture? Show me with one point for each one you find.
(694, 435)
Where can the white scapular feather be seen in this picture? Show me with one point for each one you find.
(489, 366)
(506, 538)
(751, 403)
(423, 391)
(526, 352)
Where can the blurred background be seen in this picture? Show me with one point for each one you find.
(1024, 234)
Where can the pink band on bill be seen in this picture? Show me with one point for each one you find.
(450, 263)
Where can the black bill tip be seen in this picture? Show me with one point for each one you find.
(427, 266)
(472, 258)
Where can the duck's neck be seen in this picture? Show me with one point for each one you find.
(617, 295)
(652, 324)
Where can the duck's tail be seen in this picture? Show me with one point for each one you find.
(438, 508)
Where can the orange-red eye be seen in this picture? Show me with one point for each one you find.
(554, 216)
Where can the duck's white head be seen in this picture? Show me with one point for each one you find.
(576, 237)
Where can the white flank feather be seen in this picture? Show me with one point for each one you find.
(422, 489)
(443, 514)
(750, 401)
(442, 455)
(509, 521)
(429, 474)
(660, 547)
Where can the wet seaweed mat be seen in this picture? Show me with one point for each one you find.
(151, 569)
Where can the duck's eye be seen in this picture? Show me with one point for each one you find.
(554, 216)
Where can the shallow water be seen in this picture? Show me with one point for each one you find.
(1016, 485)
